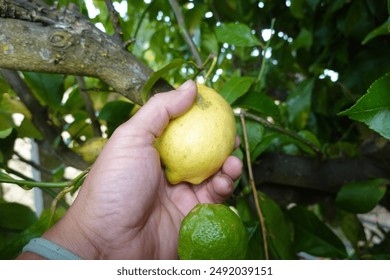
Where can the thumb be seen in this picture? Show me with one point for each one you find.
(155, 115)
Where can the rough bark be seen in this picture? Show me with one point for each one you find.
(38, 38)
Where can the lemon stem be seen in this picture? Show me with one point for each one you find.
(253, 187)
(211, 58)
(211, 69)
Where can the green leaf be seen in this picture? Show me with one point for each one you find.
(255, 249)
(265, 142)
(278, 226)
(279, 229)
(255, 132)
(299, 104)
(13, 246)
(236, 87)
(297, 8)
(80, 127)
(209, 42)
(361, 197)
(239, 35)
(310, 137)
(159, 74)
(244, 209)
(388, 6)
(15, 216)
(7, 145)
(28, 129)
(115, 113)
(351, 227)
(373, 108)
(4, 133)
(6, 121)
(303, 40)
(49, 88)
(313, 236)
(157, 42)
(11, 104)
(260, 103)
(381, 30)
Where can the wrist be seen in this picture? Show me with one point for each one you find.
(70, 234)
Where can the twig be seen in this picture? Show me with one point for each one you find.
(33, 164)
(142, 19)
(71, 186)
(128, 43)
(253, 187)
(180, 21)
(32, 184)
(118, 32)
(89, 106)
(208, 74)
(211, 57)
(264, 60)
(49, 191)
(272, 126)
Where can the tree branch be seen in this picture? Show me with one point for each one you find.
(180, 21)
(282, 130)
(89, 106)
(118, 33)
(326, 176)
(63, 41)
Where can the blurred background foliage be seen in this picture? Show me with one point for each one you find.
(310, 79)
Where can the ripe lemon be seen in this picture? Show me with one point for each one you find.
(195, 145)
(212, 232)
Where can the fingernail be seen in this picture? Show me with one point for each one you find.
(187, 85)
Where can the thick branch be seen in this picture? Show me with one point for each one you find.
(326, 176)
(64, 42)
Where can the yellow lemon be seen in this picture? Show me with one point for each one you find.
(195, 145)
(212, 232)
(91, 149)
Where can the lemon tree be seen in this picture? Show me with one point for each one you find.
(291, 75)
(212, 232)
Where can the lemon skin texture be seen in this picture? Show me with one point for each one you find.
(195, 145)
(212, 232)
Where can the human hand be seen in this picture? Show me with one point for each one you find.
(126, 209)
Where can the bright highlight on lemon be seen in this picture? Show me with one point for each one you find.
(212, 232)
(195, 145)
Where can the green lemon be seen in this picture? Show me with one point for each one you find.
(212, 232)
